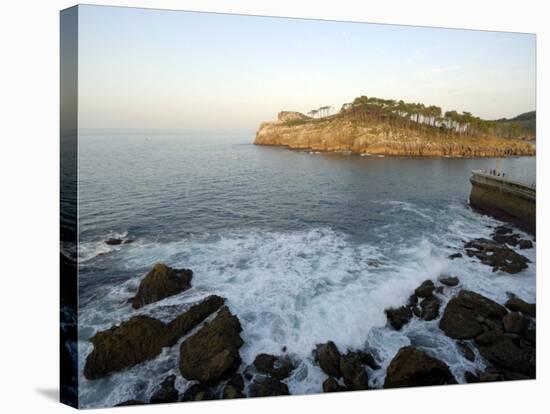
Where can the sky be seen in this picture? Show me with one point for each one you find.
(144, 68)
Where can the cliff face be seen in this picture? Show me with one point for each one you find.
(297, 131)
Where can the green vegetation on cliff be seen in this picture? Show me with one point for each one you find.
(388, 127)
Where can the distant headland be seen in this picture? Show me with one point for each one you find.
(374, 126)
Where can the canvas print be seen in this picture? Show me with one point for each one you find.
(264, 206)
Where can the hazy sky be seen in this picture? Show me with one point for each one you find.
(168, 69)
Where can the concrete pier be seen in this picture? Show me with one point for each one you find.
(505, 199)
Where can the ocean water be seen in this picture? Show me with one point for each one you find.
(305, 247)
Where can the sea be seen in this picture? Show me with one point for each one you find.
(306, 247)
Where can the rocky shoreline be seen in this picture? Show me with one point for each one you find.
(337, 134)
(208, 336)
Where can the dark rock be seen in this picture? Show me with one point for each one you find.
(139, 339)
(430, 308)
(460, 318)
(413, 301)
(531, 335)
(490, 375)
(331, 385)
(518, 305)
(354, 375)
(231, 392)
(367, 359)
(113, 242)
(268, 387)
(161, 282)
(328, 358)
(470, 377)
(466, 351)
(506, 351)
(398, 317)
(500, 230)
(496, 255)
(237, 381)
(412, 305)
(249, 372)
(511, 239)
(514, 322)
(455, 256)
(449, 280)
(212, 354)
(425, 290)
(276, 367)
(166, 393)
(142, 338)
(191, 318)
(411, 367)
(196, 392)
(525, 244)
(129, 402)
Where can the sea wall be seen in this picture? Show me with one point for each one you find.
(297, 131)
(505, 199)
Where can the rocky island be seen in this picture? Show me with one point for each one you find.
(374, 126)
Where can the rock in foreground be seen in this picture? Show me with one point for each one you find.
(161, 282)
(508, 352)
(212, 354)
(328, 358)
(462, 315)
(411, 367)
(517, 304)
(278, 367)
(268, 387)
(166, 393)
(139, 339)
(142, 338)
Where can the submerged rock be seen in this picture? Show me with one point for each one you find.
(411, 367)
(230, 392)
(142, 338)
(525, 244)
(398, 317)
(236, 381)
(500, 230)
(465, 349)
(129, 402)
(331, 385)
(471, 378)
(166, 393)
(430, 308)
(278, 367)
(426, 289)
(366, 358)
(328, 358)
(455, 256)
(498, 256)
(516, 304)
(161, 282)
(212, 354)
(196, 392)
(511, 239)
(268, 387)
(449, 280)
(463, 314)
